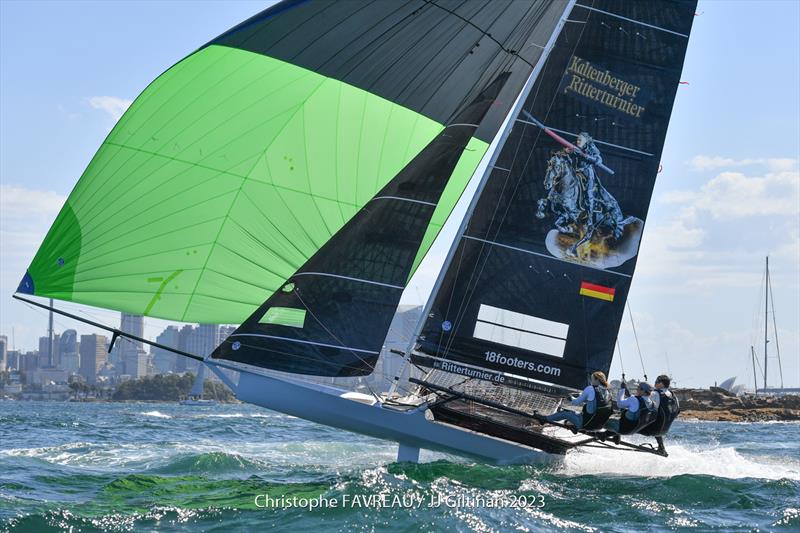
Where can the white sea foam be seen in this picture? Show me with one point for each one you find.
(156, 414)
(718, 461)
(93, 455)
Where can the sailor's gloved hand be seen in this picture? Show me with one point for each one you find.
(622, 385)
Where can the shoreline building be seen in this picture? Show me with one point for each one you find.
(47, 359)
(3, 353)
(93, 356)
(68, 351)
(130, 353)
(164, 361)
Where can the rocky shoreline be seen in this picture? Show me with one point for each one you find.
(719, 405)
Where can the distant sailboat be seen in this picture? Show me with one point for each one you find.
(291, 175)
(769, 305)
(196, 394)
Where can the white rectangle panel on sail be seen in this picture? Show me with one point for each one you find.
(521, 331)
(520, 339)
(504, 317)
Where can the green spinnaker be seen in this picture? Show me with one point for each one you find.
(225, 175)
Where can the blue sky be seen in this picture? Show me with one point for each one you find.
(727, 196)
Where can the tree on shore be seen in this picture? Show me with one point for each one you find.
(168, 388)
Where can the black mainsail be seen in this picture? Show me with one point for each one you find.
(538, 282)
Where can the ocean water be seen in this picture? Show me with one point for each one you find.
(165, 467)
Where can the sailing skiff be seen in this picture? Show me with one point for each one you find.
(291, 175)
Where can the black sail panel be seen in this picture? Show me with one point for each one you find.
(433, 57)
(539, 279)
(331, 317)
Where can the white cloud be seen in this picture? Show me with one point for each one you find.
(112, 105)
(732, 195)
(715, 162)
(25, 217)
(709, 241)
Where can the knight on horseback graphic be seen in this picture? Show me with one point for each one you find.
(585, 212)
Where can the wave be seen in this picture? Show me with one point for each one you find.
(212, 463)
(92, 455)
(156, 414)
(717, 461)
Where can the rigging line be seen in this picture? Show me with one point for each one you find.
(505, 63)
(297, 293)
(758, 363)
(302, 341)
(484, 32)
(775, 329)
(115, 331)
(636, 337)
(518, 103)
(253, 347)
(755, 326)
(619, 351)
(531, 98)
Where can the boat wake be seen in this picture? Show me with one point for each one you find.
(717, 461)
(155, 414)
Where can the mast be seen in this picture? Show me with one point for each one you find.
(755, 376)
(766, 316)
(500, 140)
(775, 331)
(494, 150)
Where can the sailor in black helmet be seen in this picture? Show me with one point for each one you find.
(667, 409)
(637, 410)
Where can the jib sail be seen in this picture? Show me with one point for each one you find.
(539, 276)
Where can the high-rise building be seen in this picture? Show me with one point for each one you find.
(208, 339)
(164, 360)
(3, 353)
(12, 359)
(93, 356)
(46, 359)
(130, 353)
(68, 351)
(29, 361)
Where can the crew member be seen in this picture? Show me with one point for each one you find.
(596, 401)
(637, 410)
(667, 409)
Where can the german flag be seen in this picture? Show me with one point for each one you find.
(597, 291)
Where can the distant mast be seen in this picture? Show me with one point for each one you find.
(766, 316)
